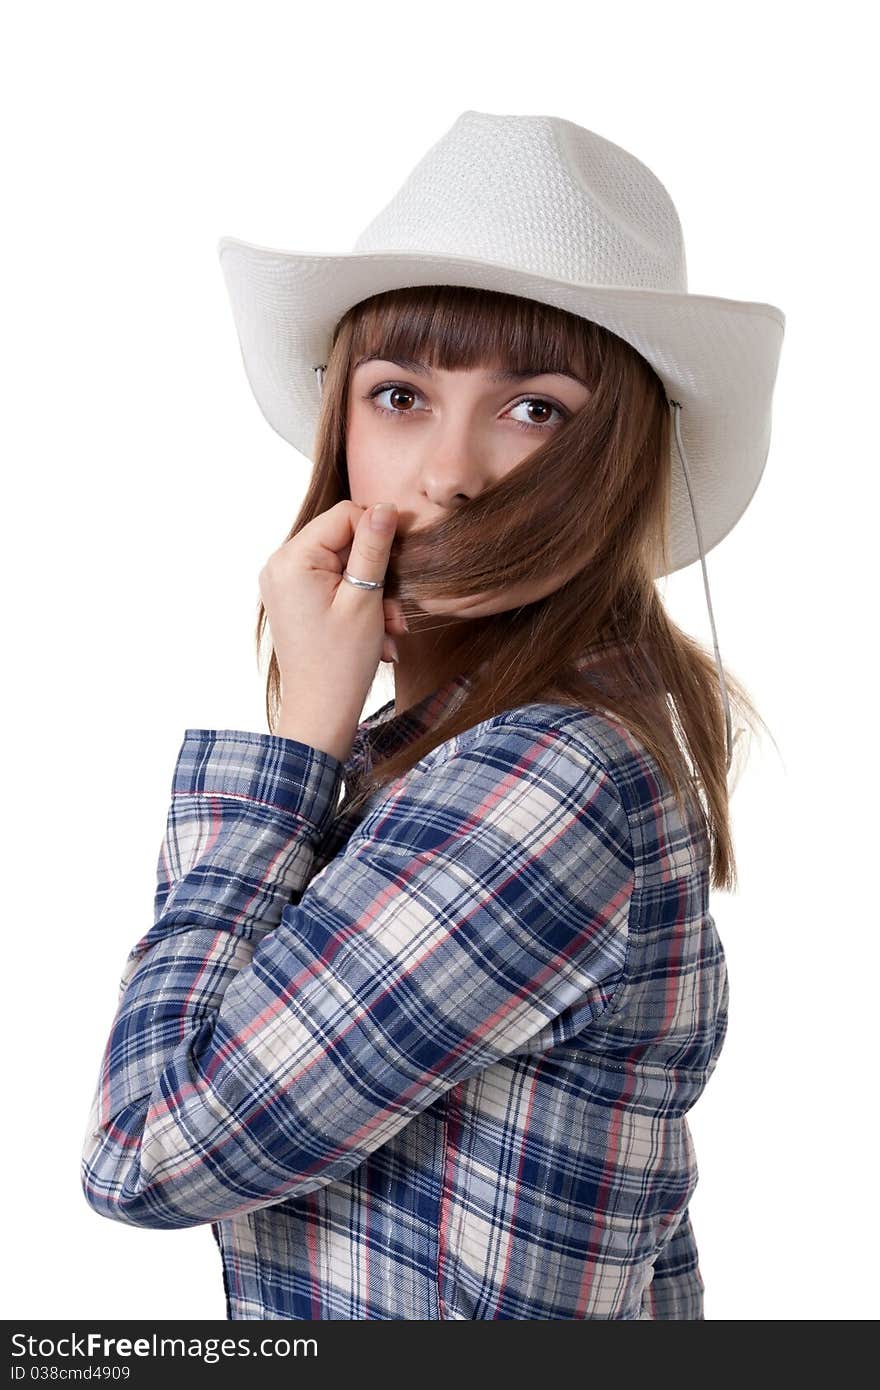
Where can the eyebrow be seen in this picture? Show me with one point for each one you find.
(410, 365)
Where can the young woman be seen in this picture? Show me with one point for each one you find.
(428, 995)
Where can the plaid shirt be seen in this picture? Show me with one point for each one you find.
(429, 1059)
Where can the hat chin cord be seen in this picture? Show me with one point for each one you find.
(676, 407)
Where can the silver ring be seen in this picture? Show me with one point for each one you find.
(363, 583)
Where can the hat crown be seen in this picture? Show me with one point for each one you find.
(540, 194)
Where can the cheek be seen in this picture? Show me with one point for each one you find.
(379, 469)
(364, 461)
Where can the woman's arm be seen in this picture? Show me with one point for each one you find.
(245, 820)
(261, 1051)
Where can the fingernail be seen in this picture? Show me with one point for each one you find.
(383, 516)
(392, 646)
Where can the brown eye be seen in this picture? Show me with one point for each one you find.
(397, 394)
(547, 407)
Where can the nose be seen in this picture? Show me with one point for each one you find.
(453, 467)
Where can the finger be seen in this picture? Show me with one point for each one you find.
(372, 542)
(327, 539)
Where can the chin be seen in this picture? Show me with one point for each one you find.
(471, 606)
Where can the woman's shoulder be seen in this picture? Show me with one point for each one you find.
(590, 734)
(550, 746)
(606, 737)
(660, 831)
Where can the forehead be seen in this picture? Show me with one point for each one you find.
(493, 375)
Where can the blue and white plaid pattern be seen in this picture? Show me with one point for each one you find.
(430, 1059)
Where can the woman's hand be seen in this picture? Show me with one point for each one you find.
(329, 636)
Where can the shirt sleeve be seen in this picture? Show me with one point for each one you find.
(272, 1031)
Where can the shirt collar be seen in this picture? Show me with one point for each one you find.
(383, 733)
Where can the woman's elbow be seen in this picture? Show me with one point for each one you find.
(112, 1191)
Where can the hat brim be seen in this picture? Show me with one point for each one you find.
(718, 357)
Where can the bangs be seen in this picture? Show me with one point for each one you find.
(453, 326)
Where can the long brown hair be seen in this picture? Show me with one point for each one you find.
(594, 497)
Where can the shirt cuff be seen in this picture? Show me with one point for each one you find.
(277, 772)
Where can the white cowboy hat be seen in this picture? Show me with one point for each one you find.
(539, 207)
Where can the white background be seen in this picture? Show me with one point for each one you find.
(143, 491)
